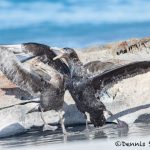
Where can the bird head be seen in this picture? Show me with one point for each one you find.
(67, 54)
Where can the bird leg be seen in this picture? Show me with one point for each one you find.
(86, 119)
(87, 126)
(120, 123)
(46, 126)
(62, 123)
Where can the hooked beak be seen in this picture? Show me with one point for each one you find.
(59, 57)
(60, 53)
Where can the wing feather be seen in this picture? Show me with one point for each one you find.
(111, 77)
(17, 73)
(99, 66)
(45, 53)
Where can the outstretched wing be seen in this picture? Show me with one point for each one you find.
(94, 67)
(45, 53)
(18, 74)
(111, 77)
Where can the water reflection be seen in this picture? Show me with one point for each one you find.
(78, 133)
(37, 137)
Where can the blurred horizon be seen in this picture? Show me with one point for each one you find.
(73, 23)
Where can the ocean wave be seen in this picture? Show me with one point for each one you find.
(15, 13)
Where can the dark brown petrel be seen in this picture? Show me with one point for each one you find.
(43, 81)
(84, 88)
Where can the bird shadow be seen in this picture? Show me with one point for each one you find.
(128, 111)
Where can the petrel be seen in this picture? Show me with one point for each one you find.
(43, 81)
(87, 89)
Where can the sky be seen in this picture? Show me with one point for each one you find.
(73, 22)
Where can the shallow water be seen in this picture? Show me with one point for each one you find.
(36, 137)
